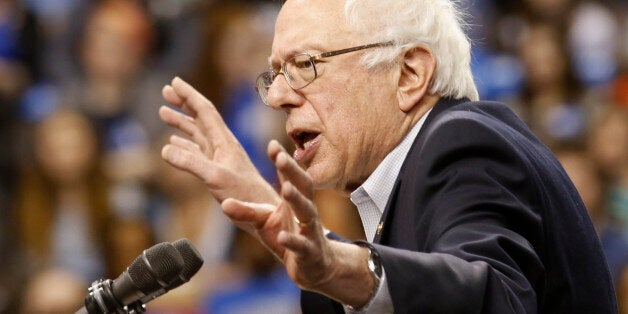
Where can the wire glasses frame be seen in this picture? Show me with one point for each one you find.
(300, 70)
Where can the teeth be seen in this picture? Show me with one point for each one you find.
(304, 140)
(307, 144)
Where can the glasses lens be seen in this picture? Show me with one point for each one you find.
(300, 71)
(262, 85)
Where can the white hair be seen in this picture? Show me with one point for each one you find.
(433, 24)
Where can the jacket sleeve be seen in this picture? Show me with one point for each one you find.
(481, 232)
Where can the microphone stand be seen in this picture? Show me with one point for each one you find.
(101, 300)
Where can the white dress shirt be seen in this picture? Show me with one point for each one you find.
(371, 199)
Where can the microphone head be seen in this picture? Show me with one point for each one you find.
(156, 267)
(192, 261)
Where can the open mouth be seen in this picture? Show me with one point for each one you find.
(306, 143)
(303, 139)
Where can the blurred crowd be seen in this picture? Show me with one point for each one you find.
(83, 189)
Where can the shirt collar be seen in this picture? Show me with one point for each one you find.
(380, 183)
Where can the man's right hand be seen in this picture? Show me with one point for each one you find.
(212, 153)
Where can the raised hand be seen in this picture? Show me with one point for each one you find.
(293, 232)
(212, 153)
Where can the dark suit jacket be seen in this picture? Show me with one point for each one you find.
(483, 219)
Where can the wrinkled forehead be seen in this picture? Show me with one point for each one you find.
(311, 25)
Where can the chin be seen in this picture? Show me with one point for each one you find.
(322, 179)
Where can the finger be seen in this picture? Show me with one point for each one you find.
(168, 93)
(183, 122)
(178, 120)
(302, 207)
(204, 148)
(184, 143)
(246, 212)
(186, 125)
(194, 162)
(291, 171)
(196, 105)
(296, 243)
(273, 149)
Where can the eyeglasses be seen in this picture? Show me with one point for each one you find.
(300, 70)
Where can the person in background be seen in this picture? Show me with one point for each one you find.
(20, 66)
(237, 37)
(608, 147)
(595, 194)
(63, 212)
(53, 291)
(551, 100)
(64, 215)
(114, 54)
(608, 142)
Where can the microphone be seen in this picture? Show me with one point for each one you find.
(155, 269)
(173, 264)
(192, 262)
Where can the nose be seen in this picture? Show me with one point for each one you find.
(281, 96)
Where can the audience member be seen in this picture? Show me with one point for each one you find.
(64, 212)
(237, 36)
(551, 98)
(60, 23)
(608, 141)
(591, 187)
(63, 209)
(53, 291)
(19, 67)
(594, 42)
(112, 89)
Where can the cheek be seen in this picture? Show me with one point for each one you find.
(348, 113)
(340, 119)
(343, 142)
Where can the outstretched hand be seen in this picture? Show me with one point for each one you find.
(294, 233)
(212, 153)
(292, 230)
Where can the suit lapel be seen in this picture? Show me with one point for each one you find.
(381, 234)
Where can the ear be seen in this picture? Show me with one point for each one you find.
(417, 69)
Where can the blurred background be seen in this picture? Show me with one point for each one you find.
(83, 189)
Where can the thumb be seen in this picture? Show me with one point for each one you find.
(247, 212)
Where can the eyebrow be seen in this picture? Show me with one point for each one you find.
(294, 51)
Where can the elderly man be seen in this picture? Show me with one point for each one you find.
(464, 209)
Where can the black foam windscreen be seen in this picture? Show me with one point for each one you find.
(156, 268)
(191, 257)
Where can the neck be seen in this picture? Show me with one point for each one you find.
(417, 112)
(411, 118)
(73, 196)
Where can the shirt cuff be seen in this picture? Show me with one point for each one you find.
(380, 303)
